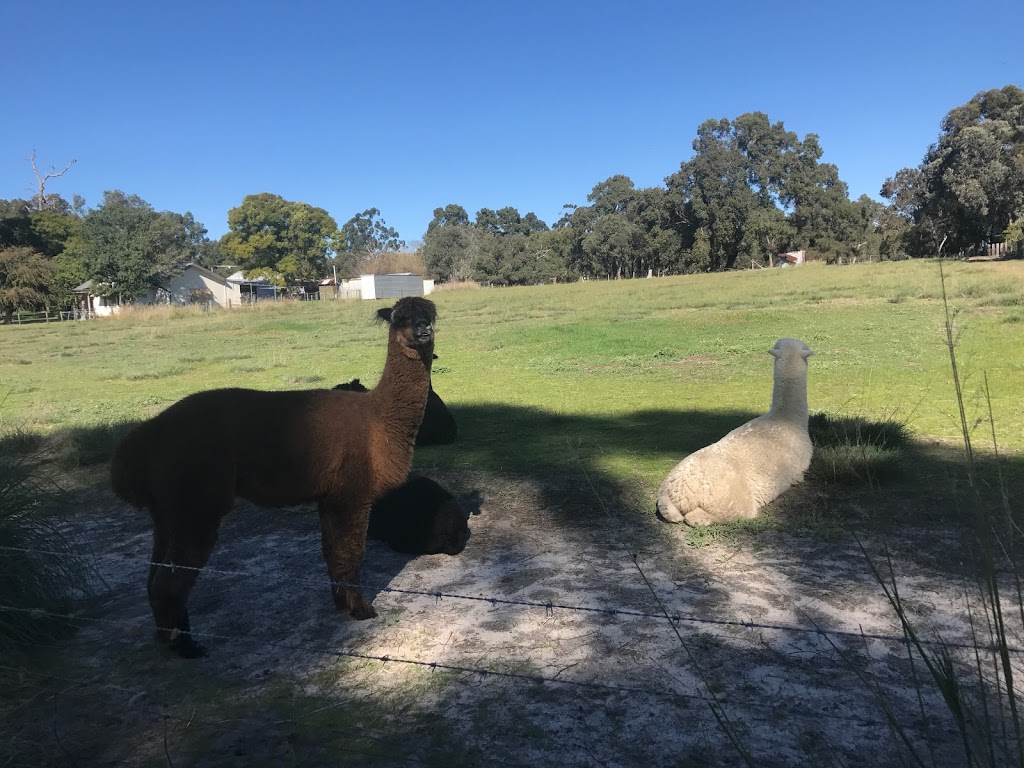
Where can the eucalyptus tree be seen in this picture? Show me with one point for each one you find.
(25, 277)
(367, 235)
(969, 187)
(128, 247)
(450, 244)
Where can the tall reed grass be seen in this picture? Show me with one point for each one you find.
(978, 691)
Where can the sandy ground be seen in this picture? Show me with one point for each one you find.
(570, 687)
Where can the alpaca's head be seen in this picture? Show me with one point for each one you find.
(786, 350)
(412, 324)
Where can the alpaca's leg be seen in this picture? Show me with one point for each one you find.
(161, 539)
(187, 551)
(343, 537)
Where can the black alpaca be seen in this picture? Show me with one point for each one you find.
(420, 517)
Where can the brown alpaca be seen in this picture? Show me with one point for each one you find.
(340, 449)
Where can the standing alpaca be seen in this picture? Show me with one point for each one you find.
(340, 449)
(752, 465)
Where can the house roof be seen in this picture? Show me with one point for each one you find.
(90, 284)
(205, 273)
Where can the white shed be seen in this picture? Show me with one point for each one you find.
(391, 286)
(792, 258)
(198, 285)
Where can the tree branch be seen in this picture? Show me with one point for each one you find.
(40, 198)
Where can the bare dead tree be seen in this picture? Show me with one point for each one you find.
(41, 180)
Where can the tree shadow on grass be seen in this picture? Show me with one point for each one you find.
(579, 484)
(593, 469)
(875, 470)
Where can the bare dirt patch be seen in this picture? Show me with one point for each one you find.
(521, 674)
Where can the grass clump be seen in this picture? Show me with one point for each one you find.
(156, 374)
(89, 446)
(852, 450)
(41, 575)
(304, 379)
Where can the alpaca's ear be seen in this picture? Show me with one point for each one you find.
(384, 315)
(773, 352)
(435, 357)
(807, 352)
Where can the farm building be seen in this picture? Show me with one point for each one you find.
(791, 258)
(389, 286)
(193, 284)
(198, 285)
(253, 289)
(97, 299)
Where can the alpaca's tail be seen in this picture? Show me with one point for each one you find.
(128, 469)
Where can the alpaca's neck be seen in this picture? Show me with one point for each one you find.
(401, 394)
(789, 395)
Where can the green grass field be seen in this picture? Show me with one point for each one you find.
(626, 377)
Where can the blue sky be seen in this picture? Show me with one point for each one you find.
(407, 106)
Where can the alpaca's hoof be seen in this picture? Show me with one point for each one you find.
(358, 607)
(363, 611)
(186, 647)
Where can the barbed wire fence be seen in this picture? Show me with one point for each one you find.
(161, 715)
(550, 606)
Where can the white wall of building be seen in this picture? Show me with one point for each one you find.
(194, 284)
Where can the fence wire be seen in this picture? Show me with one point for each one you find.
(380, 748)
(551, 606)
(460, 669)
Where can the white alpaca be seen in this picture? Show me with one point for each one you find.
(752, 465)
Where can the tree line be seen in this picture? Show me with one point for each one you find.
(751, 190)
